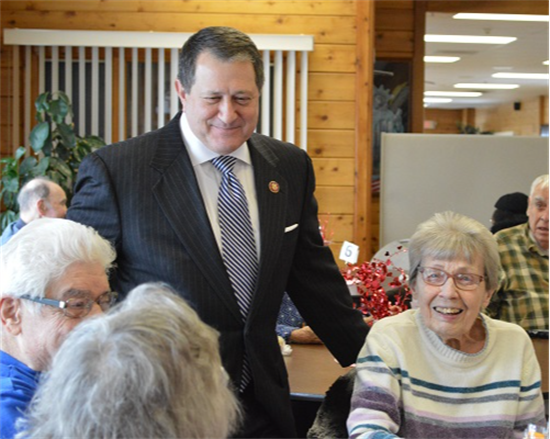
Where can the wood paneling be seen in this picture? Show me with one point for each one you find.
(523, 122)
(331, 86)
(334, 200)
(446, 121)
(331, 115)
(331, 143)
(489, 6)
(334, 172)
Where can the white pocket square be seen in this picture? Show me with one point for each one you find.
(291, 228)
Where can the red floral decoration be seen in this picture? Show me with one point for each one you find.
(369, 277)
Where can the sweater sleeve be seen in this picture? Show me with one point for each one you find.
(374, 412)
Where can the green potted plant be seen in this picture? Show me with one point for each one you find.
(56, 152)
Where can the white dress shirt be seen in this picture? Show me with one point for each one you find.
(209, 179)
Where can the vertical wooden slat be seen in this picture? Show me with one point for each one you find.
(174, 101)
(134, 102)
(417, 78)
(148, 90)
(160, 88)
(41, 69)
(266, 95)
(82, 91)
(68, 87)
(95, 91)
(290, 115)
(108, 124)
(16, 113)
(28, 92)
(278, 96)
(304, 69)
(121, 101)
(363, 126)
(55, 69)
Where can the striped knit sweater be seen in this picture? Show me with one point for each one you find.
(410, 384)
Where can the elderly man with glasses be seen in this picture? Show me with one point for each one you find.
(53, 275)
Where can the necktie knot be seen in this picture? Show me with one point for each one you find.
(224, 163)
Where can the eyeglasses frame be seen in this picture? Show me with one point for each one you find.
(62, 304)
(453, 276)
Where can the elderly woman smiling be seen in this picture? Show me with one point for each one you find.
(443, 369)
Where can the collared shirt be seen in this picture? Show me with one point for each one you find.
(522, 296)
(11, 229)
(209, 179)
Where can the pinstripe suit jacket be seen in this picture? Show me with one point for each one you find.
(143, 196)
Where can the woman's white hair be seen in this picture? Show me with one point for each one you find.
(43, 250)
(448, 236)
(150, 368)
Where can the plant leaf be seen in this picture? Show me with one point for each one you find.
(27, 165)
(39, 135)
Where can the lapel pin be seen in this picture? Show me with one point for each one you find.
(274, 187)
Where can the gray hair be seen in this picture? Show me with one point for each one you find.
(542, 181)
(36, 189)
(150, 368)
(226, 44)
(448, 236)
(43, 250)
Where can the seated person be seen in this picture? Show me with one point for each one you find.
(54, 275)
(40, 197)
(148, 369)
(522, 295)
(510, 210)
(444, 369)
(292, 327)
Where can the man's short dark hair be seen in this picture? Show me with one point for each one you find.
(226, 44)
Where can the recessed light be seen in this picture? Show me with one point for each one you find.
(510, 75)
(455, 94)
(485, 86)
(500, 17)
(441, 59)
(437, 100)
(468, 39)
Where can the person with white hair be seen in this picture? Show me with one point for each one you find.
(53, 276)
(39, 198)
(522, 295)
(444, 369)
(150, 368)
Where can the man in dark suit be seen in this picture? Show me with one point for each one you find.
(156, 198)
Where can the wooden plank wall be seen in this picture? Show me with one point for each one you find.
(332, 98)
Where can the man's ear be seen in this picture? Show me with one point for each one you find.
(42, 208)
(10, 315)
(181, 93)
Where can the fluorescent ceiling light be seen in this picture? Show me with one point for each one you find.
(546, 62)
(437, 100)
(468, 39)
(454, 94)
(485, 86)
(441, 59)
(500, 17)
(510, 75)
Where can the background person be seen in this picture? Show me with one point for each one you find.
(150, 368)
(510, 210)
(40, 197)
(156, 198)
(522, 295)
(444, 369)
(54, 275)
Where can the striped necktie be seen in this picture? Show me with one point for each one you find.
(238, 243)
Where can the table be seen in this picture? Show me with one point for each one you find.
(311, 371)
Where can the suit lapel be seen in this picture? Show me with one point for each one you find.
(178, 195)
(272, 212)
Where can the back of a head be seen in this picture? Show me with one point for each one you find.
(449, 236)
(149, 368)
(43, 250)
(510, 211)
(36, 189)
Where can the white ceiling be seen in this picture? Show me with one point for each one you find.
(479, 61)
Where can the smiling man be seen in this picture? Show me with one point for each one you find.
(228, 218)
(522, 296)
(54, 275)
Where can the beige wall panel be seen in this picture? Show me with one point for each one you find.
(334, 200)
(337, 227)
(325, 29)
(334, 172)
(298, 7)
(332, 58)
(523, 122)
(331, 115)
(331, 143)
(330, 86)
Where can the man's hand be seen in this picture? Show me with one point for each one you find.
(304, 335)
